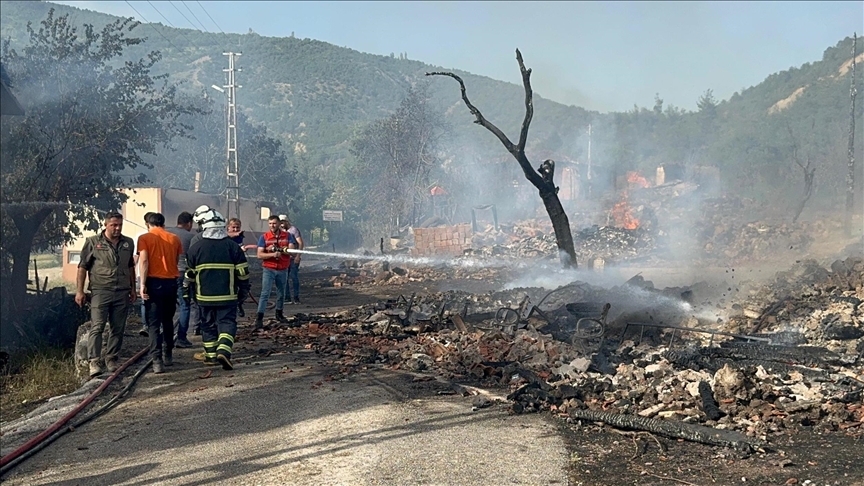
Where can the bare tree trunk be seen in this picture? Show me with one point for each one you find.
(27, 226)
(850, 175)
(542, 178)
(809, 175)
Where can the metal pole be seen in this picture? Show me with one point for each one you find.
(850, 176)
(232, 188)
(589, 160)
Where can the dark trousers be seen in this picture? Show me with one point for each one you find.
(111, 308)
(182, 322)
(159, 314)
(194, 316)
(293, 284)
(218, 329)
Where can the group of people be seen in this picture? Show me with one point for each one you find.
(203, 277)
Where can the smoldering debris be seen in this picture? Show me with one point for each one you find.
(737, 383)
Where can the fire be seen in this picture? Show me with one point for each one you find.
(634, 179)
(622, 213)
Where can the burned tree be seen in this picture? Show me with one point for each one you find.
(542, 177)
(808, 171)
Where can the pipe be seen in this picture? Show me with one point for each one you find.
(69, 428)
(53, 428)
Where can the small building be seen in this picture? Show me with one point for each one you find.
(169, 202)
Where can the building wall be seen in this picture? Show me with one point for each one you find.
(169, 202)
(442, 240)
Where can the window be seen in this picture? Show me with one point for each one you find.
(73, 257)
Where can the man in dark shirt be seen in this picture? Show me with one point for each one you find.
(108, 259)
(220, 273)
(181, 321)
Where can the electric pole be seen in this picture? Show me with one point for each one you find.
(589, 160)
(850, 176)
(232, 188)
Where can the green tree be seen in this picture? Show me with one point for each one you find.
(394, 159)
(89, 118)
(266, 172)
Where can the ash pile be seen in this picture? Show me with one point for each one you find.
(630, 356)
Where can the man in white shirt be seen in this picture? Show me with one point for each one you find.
(294, 269)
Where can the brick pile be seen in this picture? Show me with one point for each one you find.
(442, 240)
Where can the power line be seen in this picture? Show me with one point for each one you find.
(214, 22)
(194, 27)
(195, 16)
(160, 13)
(215, 37)
(151, 25)
(169, 23)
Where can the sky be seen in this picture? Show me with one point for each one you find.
(605, 56)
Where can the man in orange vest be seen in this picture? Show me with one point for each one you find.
(159, 251)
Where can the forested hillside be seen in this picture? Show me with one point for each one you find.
(317, 99)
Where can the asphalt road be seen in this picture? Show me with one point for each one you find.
(278, 420)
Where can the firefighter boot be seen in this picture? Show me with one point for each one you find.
(280, 316)
(259, 321)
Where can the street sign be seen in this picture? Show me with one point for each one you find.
(330, 215)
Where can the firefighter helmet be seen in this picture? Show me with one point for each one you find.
(212, 219)
(199, 213)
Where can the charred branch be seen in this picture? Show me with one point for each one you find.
(672, 430)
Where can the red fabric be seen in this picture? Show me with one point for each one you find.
(281, 240)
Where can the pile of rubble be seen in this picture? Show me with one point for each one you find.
(532, 240)
(613, 244)
(705, 384)
(722, 228)
(826, 306)
(356, 272)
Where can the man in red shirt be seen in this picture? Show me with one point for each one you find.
(158, 253)
(274, 263)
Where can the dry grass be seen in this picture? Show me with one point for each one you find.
(46, 260)
(27, 381)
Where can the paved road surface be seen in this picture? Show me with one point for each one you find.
(264, 424)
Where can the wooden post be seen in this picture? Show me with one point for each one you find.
(36, 276)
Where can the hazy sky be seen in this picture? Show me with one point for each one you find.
(600, 55)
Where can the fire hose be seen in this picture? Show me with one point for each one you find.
(56, 430)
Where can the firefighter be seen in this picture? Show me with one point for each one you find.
(217, 279)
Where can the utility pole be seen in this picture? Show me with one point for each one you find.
(232, 188)
(589, 160)
(850, 175)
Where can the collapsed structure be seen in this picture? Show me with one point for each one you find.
(632, 356)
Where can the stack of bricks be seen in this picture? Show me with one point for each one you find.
(442, 240)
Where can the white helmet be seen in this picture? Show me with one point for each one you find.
(199, 213)
(212, 219)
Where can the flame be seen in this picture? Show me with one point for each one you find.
(634, 179)
(622, 214)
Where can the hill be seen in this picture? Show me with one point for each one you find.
(316, 96)
(308, 91)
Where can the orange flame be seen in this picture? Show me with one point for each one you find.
(622, 214)
(633, 178)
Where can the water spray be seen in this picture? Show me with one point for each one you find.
(463, 262)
